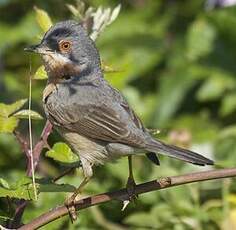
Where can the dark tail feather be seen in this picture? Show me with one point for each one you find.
(153, 158)
(178, 153)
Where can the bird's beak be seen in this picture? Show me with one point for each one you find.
(32, 48)
(40, 49)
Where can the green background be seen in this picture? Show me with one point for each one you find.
(176, 65)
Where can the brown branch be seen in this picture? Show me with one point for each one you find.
(42, 143)
(122, 194)
(21, 204)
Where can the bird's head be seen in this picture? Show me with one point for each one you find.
(67, 51)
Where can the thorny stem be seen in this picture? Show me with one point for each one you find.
(122, 194)
(21, 204)
(42, 143)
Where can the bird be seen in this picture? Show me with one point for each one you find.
(93, 117)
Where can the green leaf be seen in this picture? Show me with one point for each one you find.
(162, 211)
(228, 131)
(142, 219)
(173, 89)
(214, 87)
(200, 39)
(43, 19)
(24, 114)
(61, 152)
(228, 105)
(40, 74)
(7, 110)
(23, 189)
(4, 183)
(8, 124)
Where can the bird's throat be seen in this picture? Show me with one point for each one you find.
(59, 68)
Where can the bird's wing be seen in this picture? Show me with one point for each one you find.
(133, 116)
(113, 123)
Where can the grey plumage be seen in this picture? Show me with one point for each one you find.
(93, 117)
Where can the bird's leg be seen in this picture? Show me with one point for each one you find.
(78, 190)
(70, 202)
(130, 185)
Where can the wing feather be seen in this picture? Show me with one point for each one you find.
(99, 122)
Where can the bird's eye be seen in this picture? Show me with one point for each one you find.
(64, 46)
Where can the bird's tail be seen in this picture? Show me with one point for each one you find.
(178, 153)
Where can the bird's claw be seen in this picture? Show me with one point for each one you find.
(132, 197)
(125, 204)
(70, 204)
(130, 186)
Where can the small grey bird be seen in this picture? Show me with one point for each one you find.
(92, 116)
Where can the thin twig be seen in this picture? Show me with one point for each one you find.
(122, 194)
(67, 171)
(30, 138)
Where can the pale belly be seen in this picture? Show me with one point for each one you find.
(86, 148)
(94, 152)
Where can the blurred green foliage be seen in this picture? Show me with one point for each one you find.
(177, 69)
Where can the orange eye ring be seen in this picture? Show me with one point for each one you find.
(64, 46)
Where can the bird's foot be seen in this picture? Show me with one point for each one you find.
(130, 187)
(70, 204)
